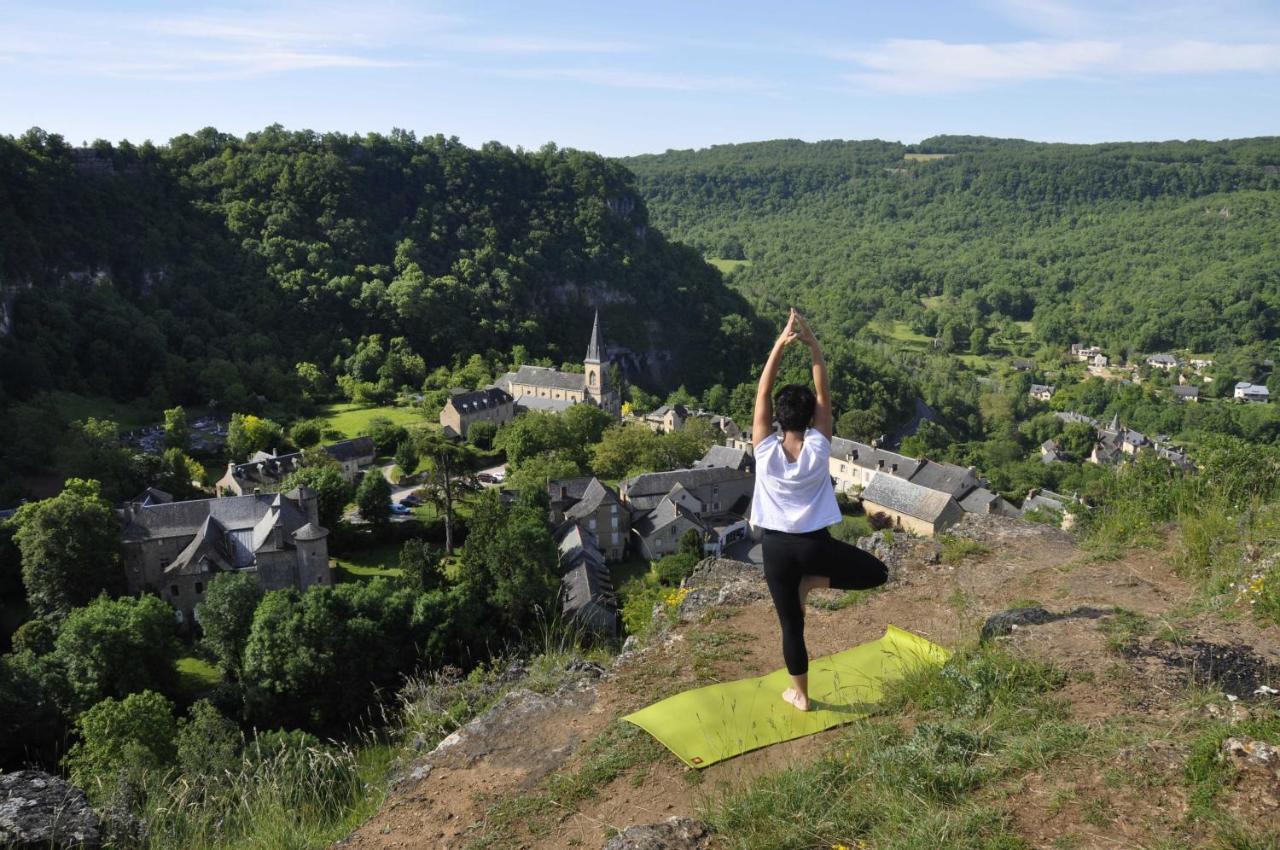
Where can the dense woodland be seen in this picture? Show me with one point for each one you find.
(260, 271)
(1134, 246)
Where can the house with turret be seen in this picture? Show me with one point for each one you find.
(174, 549)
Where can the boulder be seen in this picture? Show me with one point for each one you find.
(41, 810)
(678, 833)
(1248, 754)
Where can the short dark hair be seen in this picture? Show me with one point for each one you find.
(793, 407)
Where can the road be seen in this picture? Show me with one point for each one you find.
(398, 491)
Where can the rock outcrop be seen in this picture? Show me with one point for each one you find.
(44, 811)
(671, 834)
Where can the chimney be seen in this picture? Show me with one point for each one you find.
(894, 468)
(564, 492)
(855, 454)
(880, 464)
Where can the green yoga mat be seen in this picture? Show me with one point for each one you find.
(710, 724)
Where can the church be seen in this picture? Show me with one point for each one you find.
(544, 388)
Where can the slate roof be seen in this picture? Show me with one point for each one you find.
(265, 468)
(660, 516)
(945, 477)
(870, 457)
(1072, 416)
(208, 549)
(597, 493)
(543, 377)
(680, 410)
(660, 483)
(980, 501)
(1182, 391)
(478, 400)
(574, 488)
(593, 347)
(585, 579)
(725, 456)
(907, 498)
(233, 513)
(152, 496)
(553, 405)
(352, 449)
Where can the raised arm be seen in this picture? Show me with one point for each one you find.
(762, 419)
(822, 419)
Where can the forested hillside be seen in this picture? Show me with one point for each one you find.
(207, 269)
(1134, 246)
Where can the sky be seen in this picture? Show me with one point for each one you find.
(626, 78)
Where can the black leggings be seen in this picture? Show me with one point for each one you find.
(790, 557)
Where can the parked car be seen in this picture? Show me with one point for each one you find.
(487, 478)
(398, 508)
(411, 501)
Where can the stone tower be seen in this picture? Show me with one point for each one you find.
(596, 378)
(593, 368)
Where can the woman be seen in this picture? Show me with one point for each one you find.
(794, 502)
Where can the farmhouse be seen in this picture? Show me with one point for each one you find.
(1256, 393)
(465, 408)
(1167, 362)
(854, 464)
(911, 507)
(263, 471)
(668, 418)
(1186, 392)
(1041, 392)
(596, 506)
(175, 549)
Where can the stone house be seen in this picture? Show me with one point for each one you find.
(601, 512)
(711, 489)
(544, 388)
(668, 418)
(465, 408)
(1186, 392)
(728, 457)
(586, 586)
(175, 549)
(263, 471)
(657, 532)
(854, 464)
(911, 507)
(714, 501)
(1256, 393)
(1167, 362)
(1041, 392)
(353, 456)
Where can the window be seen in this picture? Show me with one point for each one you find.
(591, 523)
(173, 590)
(615, 523)
(199, 588)
(613, 509)
(615, 538)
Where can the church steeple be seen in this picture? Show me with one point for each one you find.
(593, 348)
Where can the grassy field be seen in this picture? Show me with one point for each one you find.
(72, 407)
(727, 267)
(381, 560)
(352, 419)
(196, 676)
(924, 157)
(900, 331)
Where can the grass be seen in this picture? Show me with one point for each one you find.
(633, 566)
(72, 407)
(382, 560)
(351, 420)
(845, 600)
(924, 157)
(913, 775)
(955, 549)
(196, 676)
(727, 267)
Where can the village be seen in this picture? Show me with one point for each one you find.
(175, 548)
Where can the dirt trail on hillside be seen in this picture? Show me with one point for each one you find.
(947, 603)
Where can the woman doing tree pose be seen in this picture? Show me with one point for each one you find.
(794, 502)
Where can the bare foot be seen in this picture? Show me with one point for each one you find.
(795, 698)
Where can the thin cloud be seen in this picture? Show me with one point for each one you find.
(915, 66)
(658, 80)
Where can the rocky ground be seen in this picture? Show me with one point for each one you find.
(1145, 668)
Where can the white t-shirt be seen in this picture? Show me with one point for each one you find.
(795, 497)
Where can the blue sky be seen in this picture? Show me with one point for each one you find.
(624, 78)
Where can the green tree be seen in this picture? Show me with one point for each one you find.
(510, 562)
(480, 434)
(226, 616)
(70, 548)
(91, 449)
(373, 497)
(306, 433)
(625, 450)
(386, 434)
(420, 562)
(322, 474)
(113, 647)
(133, 736)
(179, 474)
(177, 434)
(407, 456)
(33, 696)
(691, 543)
(315, 384)
(585, 424)
(445, 463)
(207, 744)
(247, 434)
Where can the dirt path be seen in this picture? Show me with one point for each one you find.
(946, 603)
